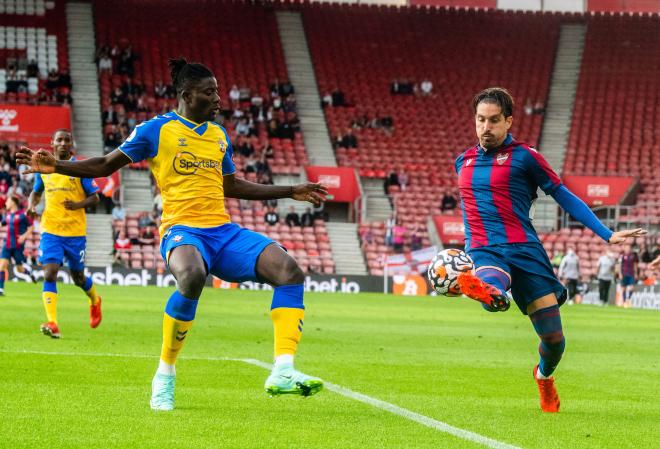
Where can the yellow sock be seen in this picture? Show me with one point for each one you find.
(50, 304)
(287, 323)
(174, 335)
(91, 294)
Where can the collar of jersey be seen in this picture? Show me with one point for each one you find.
(198, 128)
(508, 141)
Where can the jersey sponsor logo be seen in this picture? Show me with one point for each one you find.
(182, 142)
(502, 157)
(185, 163)
(6, 116)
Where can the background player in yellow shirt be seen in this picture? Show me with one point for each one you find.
(63, 231)
(190, 157)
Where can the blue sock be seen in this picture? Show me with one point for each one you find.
(88, 283)
(181, 308)
(2, 279)
(290, 296)
(50, 287)
(496, 278)
(547, 324)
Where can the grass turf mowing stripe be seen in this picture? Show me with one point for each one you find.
(338, 389)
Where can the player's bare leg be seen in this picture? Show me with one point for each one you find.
(544, 314)
(280, 270)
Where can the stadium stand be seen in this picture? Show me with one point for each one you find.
(380, 45)
(241, 45)
(613, 130)
(33, 52)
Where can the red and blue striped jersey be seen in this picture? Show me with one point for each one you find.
(17, 223)
(497, 189)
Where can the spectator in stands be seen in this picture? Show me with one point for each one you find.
(272, 217)
(326, 100)
(109, 116)
(32, 69)
(529, 107)
(286, 89)
(244, 94)
(338, 140)
(403, 179)
(556, 260)
(250, 164)
(234, 95)
(146, 220)
(125, 63)
(122, 245)
(285, 130)
(448, 203)
(118, 212)
(307, 218)
(338, 99)
(160, 90)
(605, 275)
(415, 239)
(64, 80)
(105, 64)
(267, 150)
(117, 96)
(425, 88)
(367, 238)
(389, 226)
(292, 218)
(244, 146)
(398, 236)
(108, 193)
(569, 273)
(275, 88)
(243, 127)
(539, 108)
(392, 179)
(349, 140)
(319, 212)
(52, 82)
(147, 236)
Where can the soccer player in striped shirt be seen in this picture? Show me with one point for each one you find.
(190, 157)
(498, 181)
(19, 226)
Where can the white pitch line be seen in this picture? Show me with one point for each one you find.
(377, 403)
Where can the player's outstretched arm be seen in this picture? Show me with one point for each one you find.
(581, 212)
(42, 161)
(240, 188)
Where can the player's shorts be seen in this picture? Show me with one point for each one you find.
(627, 281)
(18, 254)
(528, 265)
(230, 252)
(54, 249)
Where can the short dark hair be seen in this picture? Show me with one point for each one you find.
(495, 95)
(15, 199)
(184, 73)
(62, 130)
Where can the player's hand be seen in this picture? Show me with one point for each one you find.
(621, 236)
(71, 205)
(32, 212)
(655, 264)
(40, 161)
(315, 193)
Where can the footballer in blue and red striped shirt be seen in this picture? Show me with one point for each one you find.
(19, 226)
(498, 181)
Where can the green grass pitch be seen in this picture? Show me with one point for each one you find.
(442, 358)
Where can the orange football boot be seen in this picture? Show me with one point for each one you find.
(95, 315)
(50, 328)
(477, 289)
(548, 392)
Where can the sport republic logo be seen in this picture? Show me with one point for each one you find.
(185, 163)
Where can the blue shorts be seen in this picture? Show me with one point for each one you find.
(54, 248)
(229, 251)
(18, 254)
(626, 281)
(528, 266)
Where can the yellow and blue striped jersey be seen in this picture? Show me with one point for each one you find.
(188, 161)
(58, 188)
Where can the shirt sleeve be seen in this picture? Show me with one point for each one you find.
(540, 171)
(143, 142)
(89, 186)
(228, 167)
(26, 220)
(38, 183)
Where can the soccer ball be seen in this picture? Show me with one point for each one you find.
(445, 268)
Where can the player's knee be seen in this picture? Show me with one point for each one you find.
(79, 280)
(289, 273)
(191, 281)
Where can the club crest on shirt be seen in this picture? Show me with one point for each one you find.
(222, 145)
(502, 157)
